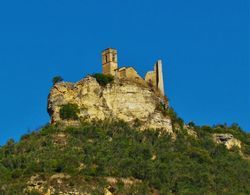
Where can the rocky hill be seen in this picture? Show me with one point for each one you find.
(122, 99)
(120, 137)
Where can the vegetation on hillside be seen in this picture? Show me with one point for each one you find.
(103, 79)
(69, 111)
(91, 152)
(57, 79)
(169, 111)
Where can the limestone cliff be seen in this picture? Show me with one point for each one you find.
(122, 99)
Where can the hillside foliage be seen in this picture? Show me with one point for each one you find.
(57, 79)
(184, 165)
(103, 79)
(69, 111)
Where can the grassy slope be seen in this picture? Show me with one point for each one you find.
(103, 149)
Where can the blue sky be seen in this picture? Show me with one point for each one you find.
(204, 46)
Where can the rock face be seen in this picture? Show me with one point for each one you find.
(61, 183)
(123, 99)
(227, 139)
(56, 184)
(190, 131)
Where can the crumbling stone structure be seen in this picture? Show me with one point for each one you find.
(110, 66)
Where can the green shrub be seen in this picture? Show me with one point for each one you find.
(69, 111)
(171, 113)
(162, 108)
(103, 79)
(16, 173)
(191, 124)
(174, 117)
(57, 79)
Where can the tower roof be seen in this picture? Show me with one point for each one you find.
(109, 50)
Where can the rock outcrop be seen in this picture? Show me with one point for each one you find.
(61, 183)
(191, 131)
(123, 99)
(227, 139)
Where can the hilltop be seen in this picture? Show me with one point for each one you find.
(117, 136)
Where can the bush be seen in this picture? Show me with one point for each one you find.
(191, 124)
(171, 113)
(162, 108)
(69, 111)
(57, 79)
(103, 79)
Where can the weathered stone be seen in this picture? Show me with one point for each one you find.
(123, 99)
(107, 192)
(59, 176)
(52, 185)
(110, 67)
(191, 131)
(227, 139)
(36, 183)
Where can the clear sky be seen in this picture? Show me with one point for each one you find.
(204, 46)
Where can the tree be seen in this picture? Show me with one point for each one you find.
(69, 111)
(57, 79)
(191, 124)
(103, 79)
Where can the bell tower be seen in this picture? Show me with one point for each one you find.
(109, 61)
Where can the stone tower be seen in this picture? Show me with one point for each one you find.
(155, 78)
(109, 61)
(159, 76)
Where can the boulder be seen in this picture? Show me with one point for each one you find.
(227, 139)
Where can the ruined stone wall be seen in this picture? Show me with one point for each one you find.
(110, 66)
(151, 78)
(159, 76)
(155, 78)
(131, 73)
(121, 73)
